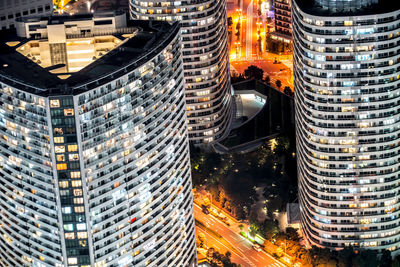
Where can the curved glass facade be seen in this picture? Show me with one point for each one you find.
(347, 92)
(206, 62)
(345, 5)
(99, 175)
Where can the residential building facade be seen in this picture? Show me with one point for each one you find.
(94, 157)
(205, 58)
(347, 92)
(283, 18)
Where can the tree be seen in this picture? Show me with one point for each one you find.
(270, 229)
(288, 91)
(202, 239)
(278, 84)
(386, 259)
(253, 231)
(292, 234)
(230, 21)
(254, 72)
(267, 79)
(237, 31)
(282, 146)
(322, 257)
(366, 259)
(235, 78)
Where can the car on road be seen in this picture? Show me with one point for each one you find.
(205, 210)
(257, 247)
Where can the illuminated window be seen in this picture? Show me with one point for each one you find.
(69, 236)
(55, 103)
(75, 174)
(60, 157)
(78, 200)
(81, 226)
(58, 139)
(82, 243)
(79, 209)
(76, 183)
(69, 227)
(58, 131)
(64, 192)
(62, 166)
(59, 149)
(81, 235)
(73, 157)
(77, 192)
(72, 260)
(66, 210)
(63, 184)
(68, 112)
(72, 148)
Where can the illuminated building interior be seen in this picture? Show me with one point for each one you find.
(70, 55)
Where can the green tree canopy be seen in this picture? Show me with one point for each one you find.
(254, 72)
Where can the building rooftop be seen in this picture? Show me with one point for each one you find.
(147, 38)
(313, 7)
(60, 19)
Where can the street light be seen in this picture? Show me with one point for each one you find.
(285, 247)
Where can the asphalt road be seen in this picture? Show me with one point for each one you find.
(243, 253)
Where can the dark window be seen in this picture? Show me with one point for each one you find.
(17, 15)
(25, 13)
(70, 243)
(69, 121)
(3, 18)
(47, 7)
(74, 165)
(33, 11)
(40, 9)
(70, 130)
(10, 16)
(71, 139)
(103, 22)
(67, 102)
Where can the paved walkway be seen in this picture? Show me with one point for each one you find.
(258, 207)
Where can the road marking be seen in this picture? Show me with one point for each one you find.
(240, 239)
(260, 256)
(254, 258)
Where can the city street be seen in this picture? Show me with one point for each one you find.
(242, 56)
(274, 71)
(244, 254)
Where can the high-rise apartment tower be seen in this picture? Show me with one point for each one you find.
(94, 156)
(347, 92)
(205, 61)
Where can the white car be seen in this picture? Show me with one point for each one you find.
(257, 247)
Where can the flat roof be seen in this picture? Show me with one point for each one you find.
(59, 19)
(20, 72)
(383, 6)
